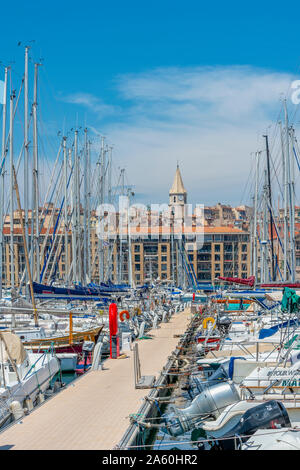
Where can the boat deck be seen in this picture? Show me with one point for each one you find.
(92, 412)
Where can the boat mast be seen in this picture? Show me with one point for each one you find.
(85, 176)
(75, 212)
(292, 202)
(89, 210)
(109, 200)
(285, 219)
(3, 156)
(270, 207)
(257, 154)
(26, 152)
(121, 230)
(70, 251)
(35, 199)
(130, 277)
(77, 159)
(65, 207)
(11, 154)
(264, 240)
(101, 252)
(287, 193)
(35, 313)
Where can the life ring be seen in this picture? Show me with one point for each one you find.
(208, 319)
(126, 313)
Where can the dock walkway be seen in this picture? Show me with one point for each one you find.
(92, 413)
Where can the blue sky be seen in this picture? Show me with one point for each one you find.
(192, 81)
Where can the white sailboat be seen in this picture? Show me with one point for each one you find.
(24, 376)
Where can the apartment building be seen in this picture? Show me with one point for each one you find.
(145, 252)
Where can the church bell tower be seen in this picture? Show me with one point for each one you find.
(177, 194)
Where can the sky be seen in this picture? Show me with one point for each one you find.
(193, 82)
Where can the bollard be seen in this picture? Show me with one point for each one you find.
(113, 331)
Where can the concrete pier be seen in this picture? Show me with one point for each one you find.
(92, 413)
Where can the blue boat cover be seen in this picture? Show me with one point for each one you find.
(266, 332)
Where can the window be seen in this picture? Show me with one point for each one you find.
(137, 248)
(137, 267)
(217, 248)
(163, 267)
(217, 257)
(164, 258)
(164, 248)
(137, 258)
(206, 248)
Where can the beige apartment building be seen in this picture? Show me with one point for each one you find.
(154, 252)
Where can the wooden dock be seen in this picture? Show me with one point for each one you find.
(92, 413)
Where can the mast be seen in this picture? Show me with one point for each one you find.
(270, 206)
(71, 259)
(130, 277)
(75, 212)
(3, 155)
(109, 176)
(285, 219)
(121, 230)
(77, 158)
(11, 154)
(101, 252)
(85, 176)
(26, 152)
(109, 196)
(257, 154)
(287, 193)
(292, 202)
(25, 248)
(65, 207)
(35, 199)
(89, 210)
(264, 254)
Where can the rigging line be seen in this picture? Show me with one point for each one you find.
(248, 180)
(8, 135)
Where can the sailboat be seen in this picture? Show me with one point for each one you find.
(24, 376)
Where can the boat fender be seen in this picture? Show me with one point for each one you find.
(137, 311)
(208, 319)
(126, 313)
(17, 410)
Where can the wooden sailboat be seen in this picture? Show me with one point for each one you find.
(65, 343)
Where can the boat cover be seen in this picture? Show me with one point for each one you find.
(11, 348)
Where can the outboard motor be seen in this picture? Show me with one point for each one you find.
(269, 415)
(210, 402)
(197, 384)
(223, 324)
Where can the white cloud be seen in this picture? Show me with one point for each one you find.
(91, 102)
(209, 118)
